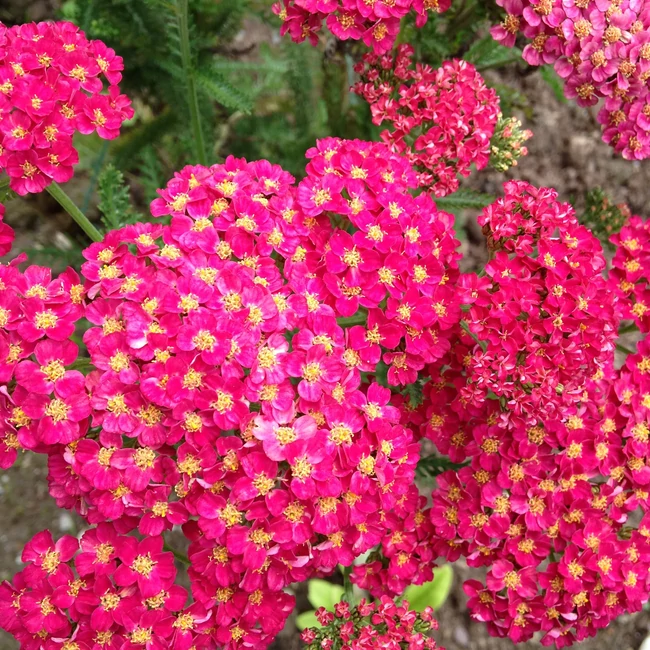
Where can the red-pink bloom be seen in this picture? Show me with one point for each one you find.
(450, 109)
(601, 54)
(52, 87)
(144, 564)
(6, 233)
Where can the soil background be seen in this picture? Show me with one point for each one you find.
(565, 153)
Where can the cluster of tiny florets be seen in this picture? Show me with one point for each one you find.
(52, 82)
(105, 590)
(221, 393)
(264, 363)
(375, 22)
(629, 277)
(602, 51)
(441, 120)
(383, 624)
(45, 403)
(399, 264)
(553, 471)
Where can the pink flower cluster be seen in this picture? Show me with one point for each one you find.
(376, 22)
(105, 591)
(223, 394)
(234, 387)
(407, 553)
(43, 402)
(51, 83)
(372, 625)
(630, 273)
(399, 264)
(601, 49)
(542, 314)
(441, 120)
(554, 473)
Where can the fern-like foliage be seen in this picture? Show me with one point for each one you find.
(114, 199)
(218, 87)
(464, 199)
(146, 34)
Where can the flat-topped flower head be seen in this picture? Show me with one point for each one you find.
(53, 83)
(441, 120)
(376, 23)
(601, 50)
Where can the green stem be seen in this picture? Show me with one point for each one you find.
(58, 193)
(628, 328)
(181, 557)
(348, 593)
(622, 348)
(358, 319)
(96, 169)
(193, 98)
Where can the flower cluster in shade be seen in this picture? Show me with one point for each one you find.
(441, 120)
(553, 439)
(507, 144)
(375, 22)
(558, 513)
(220, 392)
(52, 83)
(381, 624)
(601, 48)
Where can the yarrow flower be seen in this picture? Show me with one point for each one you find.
(368, 624)
(543, 314)
(629, 277)
(441, 120)
(602, 51)
(64, 597)
(402, 252)
(260, 369)
(507, 144)
(44, 402)
(222, 392)
(557, 465)
(51, 86)
(376, 23)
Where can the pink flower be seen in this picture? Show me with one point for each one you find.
(49, 373)
(144, 564)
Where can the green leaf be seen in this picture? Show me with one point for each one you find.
(324, 594)
(464, 198)
(554, 80)
(114, 198)
(307, 619)
(431, 594)
(487, 53)
(381, 374)
(432, 466)
(220, 89)
(6, 194)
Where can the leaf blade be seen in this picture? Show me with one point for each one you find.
(431, 594)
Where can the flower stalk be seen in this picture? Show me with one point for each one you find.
(188, 69)
(62, 198)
